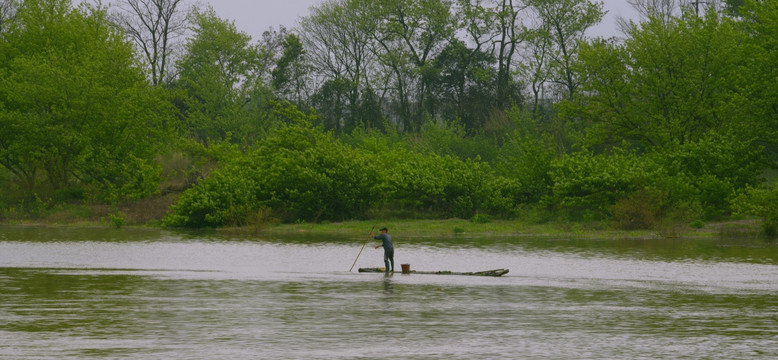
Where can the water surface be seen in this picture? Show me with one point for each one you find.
(142, 294)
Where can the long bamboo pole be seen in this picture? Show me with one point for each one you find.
(363, 248)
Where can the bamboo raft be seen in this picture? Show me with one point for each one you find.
(495, 272)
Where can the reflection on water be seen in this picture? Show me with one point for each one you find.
(141, 294)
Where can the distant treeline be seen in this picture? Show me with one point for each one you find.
(434, 108)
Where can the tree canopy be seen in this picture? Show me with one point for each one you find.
(74, 106)
(434, 108)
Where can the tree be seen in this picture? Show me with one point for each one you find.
(663, 10)
(667, 84)
(463, 85)
(73, 104)
(733, 6)
(411, 34)
(154, 26)
(566, 22)
(332, 101)
(506, 44)
(339, 37)
(270, 48)
(666, 10)
(288, 77)
(219, 73)
(8, 10)
(755, 103)
(535, 68)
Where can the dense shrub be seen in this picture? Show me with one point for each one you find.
(728, 159)
(443, 185)
(527, 160)
(710, 171)
(586, 185)
(308, 175)
(226, 197)
(760, 202)
(433, 183)
(452, 139)
(299, 172)
(641, 209)
(686, 181)
(502, 196)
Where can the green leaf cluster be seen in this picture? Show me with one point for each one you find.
(75, 110)
(761, 202)
(699, 175)
(303, 173)
(300, 172)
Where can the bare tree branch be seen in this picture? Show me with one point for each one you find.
(7, 13)
(154, 26)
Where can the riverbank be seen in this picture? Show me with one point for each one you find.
(451, 228)
(148, 215)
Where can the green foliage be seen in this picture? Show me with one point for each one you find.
(462, 80)
(668, 83)
(760, 202)
(481, 219)
(334, 100)
(441, 185)
(226, 197)
(309, 175)
(641, 209)
(725, 157)
(697, 224)
(527, 159)
(755, 104)
(686, 181)
(450, 138)
(116, 219)
(299, 172)
(284, 75)
(338, 36)
(709, 171)
(586, 185)
(304, 174)
(218, 73)
(423, 102)
(565, 23)
(74, 105)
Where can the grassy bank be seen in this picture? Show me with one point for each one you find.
(461, 227)
(148, 212)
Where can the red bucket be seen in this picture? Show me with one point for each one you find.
(406, 268)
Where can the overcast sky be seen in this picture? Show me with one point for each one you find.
(254, 17)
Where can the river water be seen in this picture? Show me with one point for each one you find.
(76, 293)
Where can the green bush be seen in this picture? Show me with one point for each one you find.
(442, 185)
(116, 219)
(760, 202)
(710, 171)
(226, 197)
(713, 194)
(452, 139)
(725, 158)
(586, 186)
(639, 210)
(299, 172)
(527, 160)
(481, 219)
(308, 175)
(697, 224)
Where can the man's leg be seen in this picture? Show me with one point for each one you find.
(389, 258)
